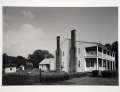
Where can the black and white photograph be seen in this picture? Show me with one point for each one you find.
(60, 46)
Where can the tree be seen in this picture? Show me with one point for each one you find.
(108, 46)
(50, 56)
(19, 60)
(5, 59)
(115, 48)
(38, 56)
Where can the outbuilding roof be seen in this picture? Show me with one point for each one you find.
(22, 66)
(46, 61)
(10, 65)
(29, 64)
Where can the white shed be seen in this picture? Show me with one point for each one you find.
(47, 64)
(10, 68)
(22, 67)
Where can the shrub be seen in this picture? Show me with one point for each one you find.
(80, 74)
(109, 73)
(95, 73)
(56, 78)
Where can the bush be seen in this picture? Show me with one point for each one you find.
(95, 73)
(62, 77)
(109, 73)
(80, 74)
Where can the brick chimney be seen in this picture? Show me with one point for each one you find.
(73, 58)
(58, 55)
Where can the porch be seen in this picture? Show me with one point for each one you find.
(96, 51)
(98, 64)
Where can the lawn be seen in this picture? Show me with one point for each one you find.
(33, 79)
(90, 81)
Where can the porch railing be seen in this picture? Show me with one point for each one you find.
(91, 53)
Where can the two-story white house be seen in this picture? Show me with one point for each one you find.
(79, 56)
(90, 56)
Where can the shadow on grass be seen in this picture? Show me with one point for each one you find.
(16, 80)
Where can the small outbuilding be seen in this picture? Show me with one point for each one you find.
(9, 68)
(22, 67)
(29, 65)
(47, 64)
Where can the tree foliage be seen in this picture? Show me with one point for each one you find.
(35, 58)
(114, 47)
(38, 56)
(109, 46)
(19, 60)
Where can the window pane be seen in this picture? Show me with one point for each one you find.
(92, 63)
(79, 63)
(87, 64)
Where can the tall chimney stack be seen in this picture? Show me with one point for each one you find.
(58, 56)
(73, 58)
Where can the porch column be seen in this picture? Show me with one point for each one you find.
(102, 53)
(97, 59)
(106, 54)
(109, 65)
(106, 65)
(102, 64)
(97, 65)
(112, 56)
(112, 65)
(97, 50)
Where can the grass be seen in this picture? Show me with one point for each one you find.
(90, 81)
(33, 79)
(12, 79)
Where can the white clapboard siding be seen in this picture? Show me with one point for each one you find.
(10, 69)
(80, 57)
(52, 65)
(65, 46)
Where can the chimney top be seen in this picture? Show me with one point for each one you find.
(73, 30)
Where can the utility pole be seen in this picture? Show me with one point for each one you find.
(40, 75)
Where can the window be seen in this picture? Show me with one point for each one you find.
(100, 63)
(104, 63)
(79, 63)
(113, 65)
(10, 68)
(62, 63)
(63, 53)
(79, 50)
(92, 63)
(87, 64)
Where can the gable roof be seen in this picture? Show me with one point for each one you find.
(22, 66)
(98, 44)
(29, 64)
(10, 65)
(46, 61)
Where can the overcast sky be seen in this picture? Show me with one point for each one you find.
(26, 29)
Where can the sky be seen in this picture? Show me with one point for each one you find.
(26, 29)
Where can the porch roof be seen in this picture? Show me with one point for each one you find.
(100, 45)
